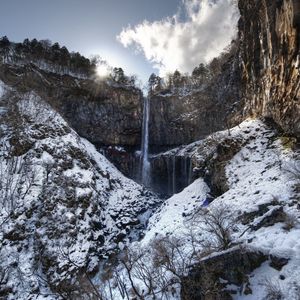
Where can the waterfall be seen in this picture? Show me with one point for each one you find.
(169, 175)
(174, 174)
(146, 168)
(190, 171)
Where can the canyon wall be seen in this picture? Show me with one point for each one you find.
(104, 114)
(269, 50)
(181, 117)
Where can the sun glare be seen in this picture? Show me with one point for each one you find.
(102, 70)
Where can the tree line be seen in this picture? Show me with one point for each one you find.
(58, 59)
(45, 52)
(202, 75)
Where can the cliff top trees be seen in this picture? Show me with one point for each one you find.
(154, 84)
(4, 41)
(44, 54)
(4, 47)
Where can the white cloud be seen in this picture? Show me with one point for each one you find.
(174, 43)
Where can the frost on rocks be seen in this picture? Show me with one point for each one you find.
(63, 205)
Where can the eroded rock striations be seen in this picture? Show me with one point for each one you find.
(181, 117)
(269, 35)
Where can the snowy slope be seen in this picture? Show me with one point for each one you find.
(63, 205)
(260, 182)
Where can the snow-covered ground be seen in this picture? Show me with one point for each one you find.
(64, 205)
(67, 206)
(259, 175)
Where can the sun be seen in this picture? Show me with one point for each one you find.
(102, 70)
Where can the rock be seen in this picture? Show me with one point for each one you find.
(277, 215)
(248, 290)
(233, 266)
(278, 262)
(104, 114)
(215, 174)
(270, 60)
(181, 118)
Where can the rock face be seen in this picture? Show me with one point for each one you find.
(112, 118)
(181, 117)
(171, 173)
(104, 114)
(173, 170)
(269, 34)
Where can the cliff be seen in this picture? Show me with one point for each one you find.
(64, 207)
(68, 217)
(104, 111)
(182, 116)
(269, 33)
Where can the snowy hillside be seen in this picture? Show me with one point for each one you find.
(257, 216)
(63, 205)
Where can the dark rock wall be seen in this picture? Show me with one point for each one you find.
(269, 48)
(104, 114)
(171, 173)
(179, 118)
(233, 266)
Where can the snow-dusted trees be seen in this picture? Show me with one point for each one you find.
(118, 75)
(159, 270)
(4, 48)
(217, 223)
(154, 84)
(16, 180)
(202, 75)
(45, 55)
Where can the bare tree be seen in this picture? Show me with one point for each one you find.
(273, 289)
(218, 223)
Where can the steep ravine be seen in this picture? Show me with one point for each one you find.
(261, 80)
(66, 208)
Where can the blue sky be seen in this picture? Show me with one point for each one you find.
(141, 36)
(87, 26)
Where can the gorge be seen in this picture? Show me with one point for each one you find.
(189, 192)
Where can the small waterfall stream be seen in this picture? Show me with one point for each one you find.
(145, 163)
(173, 174)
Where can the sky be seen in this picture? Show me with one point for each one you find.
(141, 36)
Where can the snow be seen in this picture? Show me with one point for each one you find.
(256, 176)
(175, 210)
(61, 164)
(65, 166)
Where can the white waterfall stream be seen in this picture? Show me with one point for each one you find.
(146, 167)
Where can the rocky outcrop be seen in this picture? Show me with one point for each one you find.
(173, 170)
(104, 114)
(269, 34)
(262, 80)
(208, 279)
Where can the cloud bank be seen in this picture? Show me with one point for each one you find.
(197, 33)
